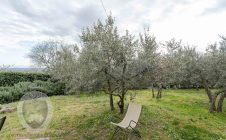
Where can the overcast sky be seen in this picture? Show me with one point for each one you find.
(24, 22)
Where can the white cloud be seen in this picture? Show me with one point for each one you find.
(23, 23)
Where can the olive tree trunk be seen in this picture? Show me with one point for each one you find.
(109, 88)
(212, 106)
(153, 92)
(159, 94)
(206, 87)
(121, 104)
(111, 102)
(220, 102)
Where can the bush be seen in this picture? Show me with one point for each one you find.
(11, 78)
(5, 97)
(50, 88)
(14, 93)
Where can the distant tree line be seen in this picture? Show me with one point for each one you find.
(114, 63)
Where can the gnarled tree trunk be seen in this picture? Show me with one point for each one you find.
(220, 102)
(121, 104)
(214, 96)
(212, 106)
(111, 102)
(159, 94)
(206, 87)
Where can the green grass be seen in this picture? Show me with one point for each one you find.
(180, 114)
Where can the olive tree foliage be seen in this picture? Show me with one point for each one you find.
(66, 67)
(173, 62)
(211, 69)
(170, 67)
(149, 56)
(100, 48)
(58, 59)
(114, 63)
(112, 60)
(106, 60)
(180, 63)
(188, 67)
(44, 54)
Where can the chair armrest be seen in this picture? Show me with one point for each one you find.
(132, 121)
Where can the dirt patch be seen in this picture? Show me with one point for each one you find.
(7, 110)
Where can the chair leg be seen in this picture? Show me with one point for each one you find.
(2, 121)
(137, 133)
(116, 131)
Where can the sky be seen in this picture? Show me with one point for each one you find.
(25, 22)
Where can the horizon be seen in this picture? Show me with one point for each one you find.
(24, 23)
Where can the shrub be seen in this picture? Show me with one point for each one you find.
(11, 78)
(51, 88)
(14, 93)
(5, 97)
(19, 89)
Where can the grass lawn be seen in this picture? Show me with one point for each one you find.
(180, 114)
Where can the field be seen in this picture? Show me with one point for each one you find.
(180, 114)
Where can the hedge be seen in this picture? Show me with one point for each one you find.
(11, 78)
(14, 93)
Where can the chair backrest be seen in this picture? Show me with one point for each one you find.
(133, 113)
(2, 121)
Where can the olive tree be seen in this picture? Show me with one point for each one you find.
(211, 69)
(57, 58)
(149, 57)
(189, 67)
(100, 47)
(114, 63)
(44, 54)
(115, 60)
(108, 55)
